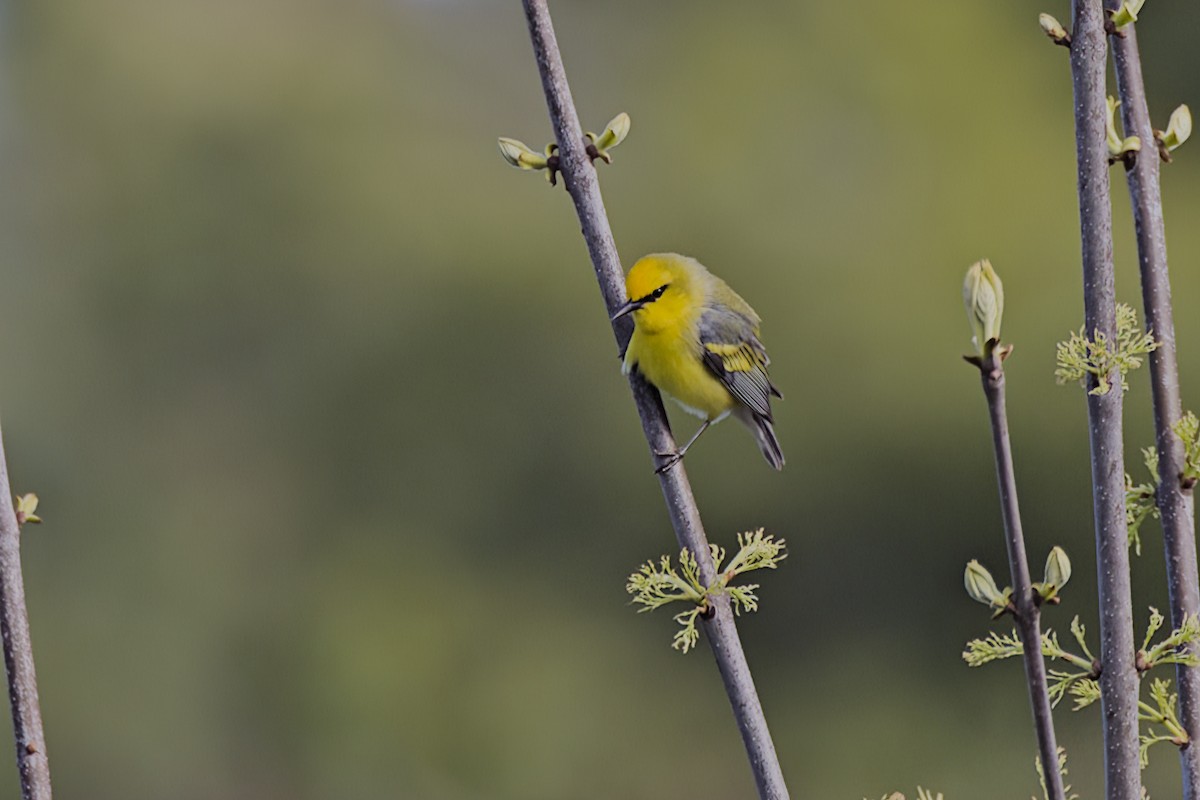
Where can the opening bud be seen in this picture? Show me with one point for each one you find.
(1118, 147)
(614, 133)
(982, 587)
(983, 296)
(1179, 128)
(1127, 13)
(25, 507)
(519, 155)
(1054, 29)
(1058, 572)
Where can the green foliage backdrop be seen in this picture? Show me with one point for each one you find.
(340, 479)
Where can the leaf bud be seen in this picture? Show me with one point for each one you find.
(981, 586)
(1118, 147)
(614, 133)
(1054, 29)
(1179, 128)
(1127, 13)
(1058, 572)
(519, 155)
(983, 297)
(26, 505)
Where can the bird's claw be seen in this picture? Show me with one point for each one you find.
(671, 460)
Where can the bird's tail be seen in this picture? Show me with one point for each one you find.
(764, 434)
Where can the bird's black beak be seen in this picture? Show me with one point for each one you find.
(631, 306)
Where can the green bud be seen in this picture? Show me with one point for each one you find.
(983, 296)
(519, 155)
(982, 587)
(1054, 29)
(1118, 147)
(1127, 13)
(1179, 128)
(1058, 572)
(26, 504)
(1113, 138)
(614, 133)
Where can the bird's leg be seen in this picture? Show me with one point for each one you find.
(677, 456)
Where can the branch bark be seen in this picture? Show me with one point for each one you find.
(1118, 679)
(580, 178)
(1028, 614)
(18, 653)
(1175, 502)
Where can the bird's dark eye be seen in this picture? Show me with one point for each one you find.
(657, 293)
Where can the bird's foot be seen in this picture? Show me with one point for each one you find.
(672, 459)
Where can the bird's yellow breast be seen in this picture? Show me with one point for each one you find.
(671, 359)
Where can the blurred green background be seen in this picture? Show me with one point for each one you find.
(340, 478)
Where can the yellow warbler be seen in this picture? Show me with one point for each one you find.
(697, 341)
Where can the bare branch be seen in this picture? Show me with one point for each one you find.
(580, 179)
(1119, 679)
(18, 653)
(1028, 615)
(1175, 502)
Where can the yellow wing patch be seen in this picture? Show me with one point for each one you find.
(742, 367)
(737, 357)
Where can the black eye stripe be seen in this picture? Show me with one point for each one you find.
(657, 293)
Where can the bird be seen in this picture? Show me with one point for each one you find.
(696, 340)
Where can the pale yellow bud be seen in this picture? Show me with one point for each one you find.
(981, 586)
(519, 155)
(614, 133)
(983, 296)
(1118, 147)
(26, 505)
(1179, 128)
(1127, 13)
(1058, 570)
(1054, 29)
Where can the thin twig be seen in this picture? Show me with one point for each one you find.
(1028, 615)
(18, 653)
(1118, 678)
(580, 178)
(1175, 502)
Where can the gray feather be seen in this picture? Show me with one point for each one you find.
(733, 352)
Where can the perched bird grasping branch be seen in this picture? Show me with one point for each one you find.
(697, 341)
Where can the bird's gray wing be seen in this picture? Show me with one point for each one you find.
(732, 351)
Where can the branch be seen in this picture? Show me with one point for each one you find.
(1174, 501)
(1027, 614)
(1118, 679)
(580, 179)
(18, 653)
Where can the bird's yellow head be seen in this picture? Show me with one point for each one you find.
(664, 289)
